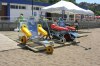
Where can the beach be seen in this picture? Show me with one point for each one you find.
(64, 56)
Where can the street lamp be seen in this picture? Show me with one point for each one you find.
(32, 7)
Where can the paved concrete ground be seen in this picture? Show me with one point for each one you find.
(6, 43)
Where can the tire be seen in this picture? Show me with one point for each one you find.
(49, 50)
(62, 40)
(23, 39)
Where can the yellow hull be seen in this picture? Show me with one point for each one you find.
(25, 30)
(41, 30)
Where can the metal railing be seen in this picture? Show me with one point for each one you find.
(15, 18)
(10, 19)
(5, 26)
(72, 19)
(7, 19)
(10, 23)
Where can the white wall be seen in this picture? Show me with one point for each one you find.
(27, 12)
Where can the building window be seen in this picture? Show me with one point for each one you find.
(40, 8)
(17, 7)
(14, 6)
(37, 8)
(22, 7)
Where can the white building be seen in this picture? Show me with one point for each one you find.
(13, 8)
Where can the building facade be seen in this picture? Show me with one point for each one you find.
(13, 8)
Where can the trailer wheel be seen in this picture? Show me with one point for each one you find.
(62, 40)
(23, 39)
(49, 50)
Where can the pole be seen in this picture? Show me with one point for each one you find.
(63, 13)
(32, 7)
(68, 17)
(74, 17)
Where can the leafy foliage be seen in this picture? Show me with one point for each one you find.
(54, 1)
(46, 1)
(97, 13)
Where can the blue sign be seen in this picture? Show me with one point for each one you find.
(61, 22)
(32, 25)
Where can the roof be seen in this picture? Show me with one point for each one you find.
(66, 7)
(26, 2)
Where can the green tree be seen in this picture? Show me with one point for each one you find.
(73, 1)
(97, 13)
(46, 1)
(54, 1)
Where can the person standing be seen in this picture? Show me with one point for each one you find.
(21, 20)
(76, 25)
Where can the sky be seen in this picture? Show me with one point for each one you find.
(88, 1)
